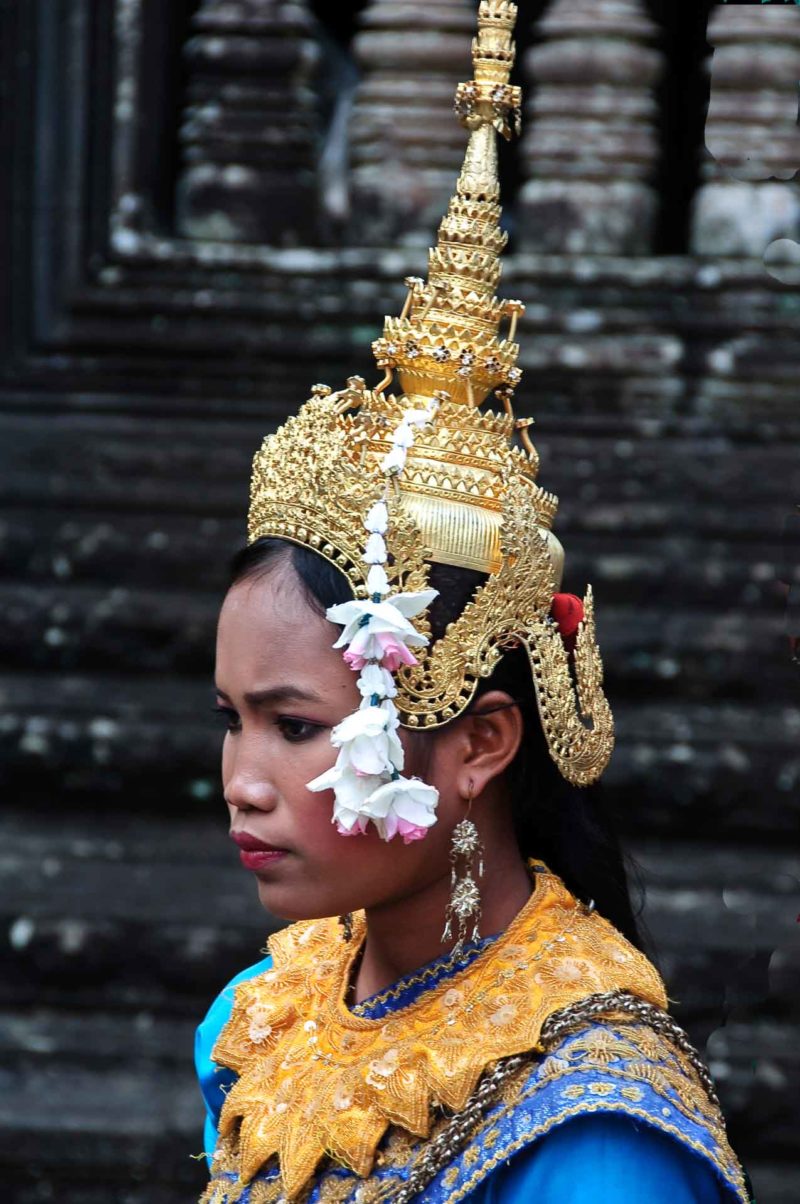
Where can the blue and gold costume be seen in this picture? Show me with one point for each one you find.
(540, 1066)
(308, 1095)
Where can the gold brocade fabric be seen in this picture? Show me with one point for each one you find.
(316, 1080)
(613, 1067)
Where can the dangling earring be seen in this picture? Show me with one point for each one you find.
(346, 922)
(465, 898)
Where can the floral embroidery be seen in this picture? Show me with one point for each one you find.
(399, 1148)
(342, 1099)
(526, 1114)
(396, 1071)
(503, 1015)
(381, 1069)
(562, 970)
(259, 1029)
(491, 1137)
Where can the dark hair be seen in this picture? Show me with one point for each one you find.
(569, 827)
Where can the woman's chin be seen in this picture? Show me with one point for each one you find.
(287, 905)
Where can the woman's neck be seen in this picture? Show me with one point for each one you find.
(405, 935)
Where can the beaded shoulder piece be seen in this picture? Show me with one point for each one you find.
(317, 1082)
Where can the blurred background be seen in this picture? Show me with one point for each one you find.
(208, 206)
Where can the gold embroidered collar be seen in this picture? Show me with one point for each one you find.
(316, 1080)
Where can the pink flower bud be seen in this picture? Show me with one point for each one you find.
(394, 652)
(410, 832)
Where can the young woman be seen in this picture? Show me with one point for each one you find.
(459, 1008)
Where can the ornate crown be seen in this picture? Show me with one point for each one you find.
(466, 495)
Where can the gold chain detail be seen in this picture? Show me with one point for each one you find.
(460, 1130)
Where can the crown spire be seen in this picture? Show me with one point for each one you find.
(447, 337)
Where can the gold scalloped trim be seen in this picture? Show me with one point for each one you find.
(644, 1057)
(320, 1081)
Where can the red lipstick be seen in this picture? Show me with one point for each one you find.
(256, 854)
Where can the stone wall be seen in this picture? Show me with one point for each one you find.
(147, 345)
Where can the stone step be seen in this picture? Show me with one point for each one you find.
(155, 912)
(332, 290)
(155, 1125)
(706, 766)
(86, 1129)
(683, 647)
(756, 1066)
(79, 1035)
(167, 466)
(724, 937)
(45, 549)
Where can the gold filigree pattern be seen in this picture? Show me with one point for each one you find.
(390, 1071)
(428, 974)
(630, 1056)
(313, 482)
(466, 497)
(641, 1055)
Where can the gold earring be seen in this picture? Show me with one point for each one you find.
(465, 899)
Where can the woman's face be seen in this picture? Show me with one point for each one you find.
(283, 687)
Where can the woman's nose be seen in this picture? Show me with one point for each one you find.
(248, 787)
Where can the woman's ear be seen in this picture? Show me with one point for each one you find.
(490, 735)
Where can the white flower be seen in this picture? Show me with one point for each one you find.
(368, 740)
(377, 581)
(375, 680)
(350, 792)
(404, 805)
(378, 518)
(378, 637)
(359, 723)
(394, 461)
(380, 631)
(392, 614)
(375, 551)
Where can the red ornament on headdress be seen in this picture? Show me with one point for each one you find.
(567, 610)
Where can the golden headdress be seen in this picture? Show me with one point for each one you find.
(466, 495)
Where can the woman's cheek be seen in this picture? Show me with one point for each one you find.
(316, 756)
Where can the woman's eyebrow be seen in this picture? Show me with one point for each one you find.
(274, 694)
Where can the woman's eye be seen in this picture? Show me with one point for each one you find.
(234, 722)
(297, 730)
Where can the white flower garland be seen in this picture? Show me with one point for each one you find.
(378, 638)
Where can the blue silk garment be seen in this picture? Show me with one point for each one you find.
(589, 1126)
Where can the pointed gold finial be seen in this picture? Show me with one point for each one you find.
(447, 336)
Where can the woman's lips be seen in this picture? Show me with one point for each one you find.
(256, 854)
(260, 860)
